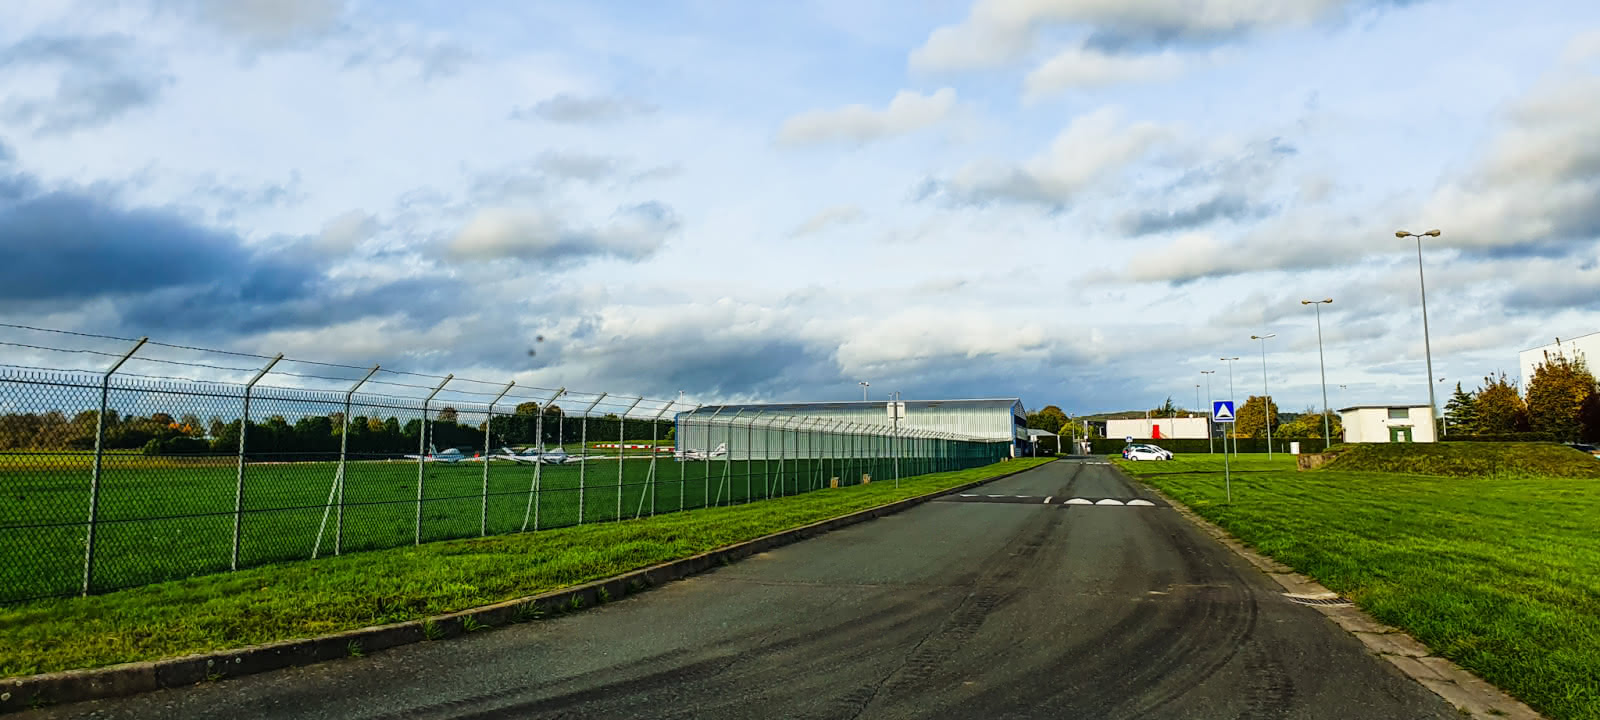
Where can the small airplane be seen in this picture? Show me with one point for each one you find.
(720, 451)
(450, 455)
(531, 456)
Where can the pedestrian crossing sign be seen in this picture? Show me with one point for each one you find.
(1222, 411)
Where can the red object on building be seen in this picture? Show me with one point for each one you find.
(1155, 432)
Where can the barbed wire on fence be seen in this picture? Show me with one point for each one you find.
(115, 478)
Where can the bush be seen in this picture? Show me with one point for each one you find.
(1467, 459)
(176, 445)
(1198, 446)
(1509, 437)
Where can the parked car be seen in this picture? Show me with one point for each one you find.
(1146, 452)
(1592, 450)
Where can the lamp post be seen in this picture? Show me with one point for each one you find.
(1427, 348)
(1211, 438)
(1230, 362)
(1266, 410)
(864, 384)
(1327, 437)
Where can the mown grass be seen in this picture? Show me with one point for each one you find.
(302, 599)
(164, 518)
(1499, 573)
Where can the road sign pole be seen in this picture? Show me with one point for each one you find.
(1222, 412)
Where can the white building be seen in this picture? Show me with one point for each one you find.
(1159, 428)
(1387, 423)
(1586, 347)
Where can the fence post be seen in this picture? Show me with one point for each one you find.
(655, 452)
(488, 419)
(749, 451)
(337, 487)
(238, 487)
(706, 486)
(422, 459)
(583, 446)
(538, 463)
(622, 426)
(99, 453)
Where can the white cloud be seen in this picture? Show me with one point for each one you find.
(1092, 147)
(997, 32)
(343, 233)
(1088, 68)
(634, 233)
(907, 112)
(829, 217)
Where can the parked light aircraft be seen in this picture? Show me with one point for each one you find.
(530, 456)
(720, 451)
(450, 455)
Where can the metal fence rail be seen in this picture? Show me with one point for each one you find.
(112, 480)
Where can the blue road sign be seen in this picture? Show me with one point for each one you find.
(1222, 411)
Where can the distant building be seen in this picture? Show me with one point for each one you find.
(998, 420)
(1586, 347)
(1387, 423)
(1159, 428)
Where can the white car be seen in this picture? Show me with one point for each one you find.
(1146, 452)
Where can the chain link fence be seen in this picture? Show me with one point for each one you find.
(112, 479)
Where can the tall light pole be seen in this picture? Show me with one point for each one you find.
(1327, 437)
(1427, 347)
(1211, 437)
(1266, 410)
(1230, 362)
(864, 384)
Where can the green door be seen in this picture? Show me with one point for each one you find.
(1400, 434)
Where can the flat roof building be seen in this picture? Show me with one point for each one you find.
(1387, 423)
(997, 420)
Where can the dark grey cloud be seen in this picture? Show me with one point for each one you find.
(101, 78)
(1221, 207)
(66, 245)
(579, 110)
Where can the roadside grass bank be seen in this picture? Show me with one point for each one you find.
(302, 599)
(1467, 459)
(1498, 573)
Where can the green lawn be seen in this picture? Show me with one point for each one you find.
(163, 518)
(300, 599)
(1500, 574)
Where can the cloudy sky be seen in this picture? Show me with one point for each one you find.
(1079, 202)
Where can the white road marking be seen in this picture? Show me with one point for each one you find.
(1078, 501)
(1047, 499)
(1109, 501)
(967, 495)
(1142, 503)
(996, 496)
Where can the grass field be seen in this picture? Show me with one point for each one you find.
(1499, 573)
(301, 599)
(162, 518)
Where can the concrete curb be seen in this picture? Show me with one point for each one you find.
(1468, 693)
(69, 686)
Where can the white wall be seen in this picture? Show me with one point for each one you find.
(1371, 424)
(1585, 346)
(1144, 429)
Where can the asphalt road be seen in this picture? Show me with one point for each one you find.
(995, 605)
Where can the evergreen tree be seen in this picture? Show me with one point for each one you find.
(1461, 412)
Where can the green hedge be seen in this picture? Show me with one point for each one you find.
(1194, 446)
(1508, 437)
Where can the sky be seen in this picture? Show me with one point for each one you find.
(1084, 203)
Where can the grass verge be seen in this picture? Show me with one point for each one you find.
(1500, 573)
(302, 599)
(1467, 459)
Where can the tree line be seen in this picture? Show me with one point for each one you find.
(161, 433)
(1562, 401)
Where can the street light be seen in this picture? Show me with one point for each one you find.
(1327, 437)
(863, 385)
(1211, 438)
(1235, 408)
(1267, 410)
(1427, 348)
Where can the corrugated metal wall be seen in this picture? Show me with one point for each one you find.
(800, 430)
